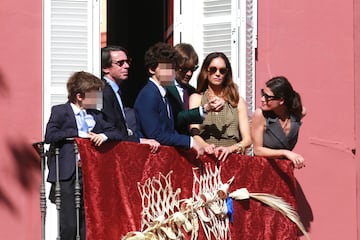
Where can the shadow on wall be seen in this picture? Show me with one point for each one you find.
(4, 89)
(304, 208)
(26, 163)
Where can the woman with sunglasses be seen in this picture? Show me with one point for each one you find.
(276, 124)
(228, 130)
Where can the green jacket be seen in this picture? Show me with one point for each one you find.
(183, 117)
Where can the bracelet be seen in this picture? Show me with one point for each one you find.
(194, 131)
(204, 109)
(239, 148)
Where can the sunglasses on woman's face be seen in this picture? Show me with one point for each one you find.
(213, 70)
(268, 97)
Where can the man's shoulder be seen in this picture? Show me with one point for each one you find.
(171, 87)
(147, 96)
(149, 87)
(61, 106)
(107, 89)
(191, 89)
(172, 90)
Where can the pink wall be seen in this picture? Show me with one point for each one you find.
(316, 45)
(357, 99)
(20, 96)
(312, 43)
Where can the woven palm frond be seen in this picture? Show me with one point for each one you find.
(280, 205)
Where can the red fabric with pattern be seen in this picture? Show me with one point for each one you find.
(113, 204)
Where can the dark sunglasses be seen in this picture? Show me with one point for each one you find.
(213, 70)
(268, 97)
(120, 63)
(185, 70)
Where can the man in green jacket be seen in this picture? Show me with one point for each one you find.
(180, 91)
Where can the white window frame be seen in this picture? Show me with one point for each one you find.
(238, 18)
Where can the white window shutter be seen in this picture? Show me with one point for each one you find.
(228, 26)
(71, 43)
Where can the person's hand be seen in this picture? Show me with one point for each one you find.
(198, 148)
(154, 145)
(210, 149)
(215, 104)
(221, 153)
(97, 139)
(297, 159)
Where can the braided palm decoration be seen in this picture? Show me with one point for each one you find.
(165, 216)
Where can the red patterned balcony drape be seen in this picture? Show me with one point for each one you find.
(113, 204)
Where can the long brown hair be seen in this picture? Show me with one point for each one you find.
(230, 90)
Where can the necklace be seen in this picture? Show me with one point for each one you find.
(285, 123)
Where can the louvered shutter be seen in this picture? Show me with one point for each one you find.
(71, 43)
(228, 26)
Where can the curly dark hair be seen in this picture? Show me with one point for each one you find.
(160, 53)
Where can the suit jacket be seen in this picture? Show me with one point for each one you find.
(114, 115)
(153, 121)
(62, 125)
(183, 117)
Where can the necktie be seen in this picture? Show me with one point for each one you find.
(84, 127)
(167, 106)
(186, 98)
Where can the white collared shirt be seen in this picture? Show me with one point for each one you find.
(89, 119)
(161, 88)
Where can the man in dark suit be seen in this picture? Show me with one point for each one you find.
(76, 118)
(153, 110)
(115, 65)
(181, 90)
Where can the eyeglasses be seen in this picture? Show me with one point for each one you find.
(268, 97)
(213, 70)
(185, 70)
(120, 63)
